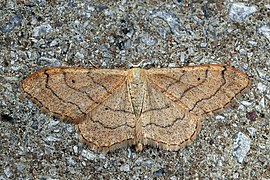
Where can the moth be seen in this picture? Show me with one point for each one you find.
(115, 108)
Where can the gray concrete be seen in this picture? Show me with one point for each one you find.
(34, 34)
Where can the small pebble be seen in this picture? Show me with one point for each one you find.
(262, 87)
(88, 155)
(14, 21)
(239, 11)
(44, 28)
(49, 61)
(52, 123)
(172, 20)
(35, 124)
(125, 168)
(241, 146)
(70, 161)
(265, 31)
(252, 115)
(8, 172)
(148, 40)
(159, 172)
(251, 131)
(52, 139)
(75, 149)
(220, 117)
(148, 163)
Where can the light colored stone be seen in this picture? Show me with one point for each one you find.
(241, 146)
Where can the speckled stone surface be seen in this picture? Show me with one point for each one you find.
(34, 34)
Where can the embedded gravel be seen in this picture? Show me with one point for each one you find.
(35, 34)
